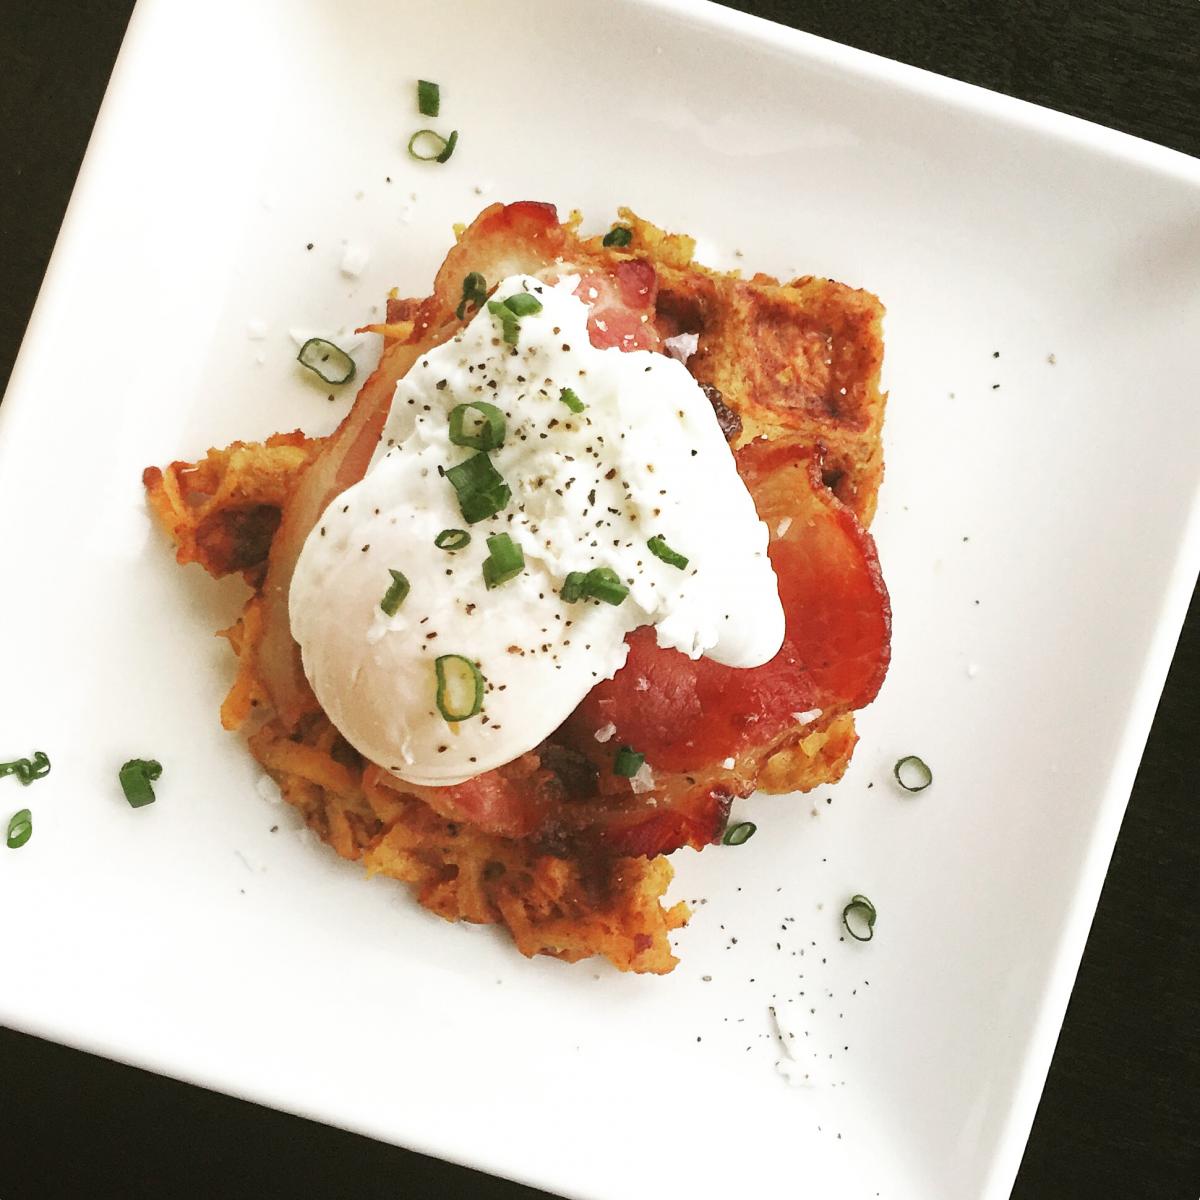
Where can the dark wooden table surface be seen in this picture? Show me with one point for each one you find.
(1120, 1116)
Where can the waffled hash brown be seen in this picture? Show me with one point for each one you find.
(795, 363)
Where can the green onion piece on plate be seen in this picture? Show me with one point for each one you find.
(474, 292)
(452, 539)
(395, 595)
(660, 549)
(488, 425)
(481, 489)
(459, 687)
(740, 833)
(618, 235)
(20, 829)
(505, 560)
(628, 762)
(427, 145)
(429, 98)
(912, 774)
(859, 918)
(330, 362)
(572, 401)
(27, 769)
(136, 777)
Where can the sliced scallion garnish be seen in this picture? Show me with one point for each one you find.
(628, 762)
(20, 829)
(488, 431)
(737, 834)
(505, 560)
(429, 98)
(459, 687)
(481, 489)
(330, 362)
(510, 312)
(474, 292)
(572, 401)
(618, 235)
(27, 769)
(452, 539)
(600, 583)
(136, 776)
(394, 596)
(912, 774)
(859, 918)
(660, 549)
(433, 147)
(522, 304)
(510, 327)
(572, 588)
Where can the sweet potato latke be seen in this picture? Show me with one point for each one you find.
(551, 846)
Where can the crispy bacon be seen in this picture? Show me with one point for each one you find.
(622, 301)
(686, 714)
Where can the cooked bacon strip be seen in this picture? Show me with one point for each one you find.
(688, 716)
(685, 714)
(503, 240)
(622, 302)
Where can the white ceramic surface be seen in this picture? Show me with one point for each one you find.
(187, 938)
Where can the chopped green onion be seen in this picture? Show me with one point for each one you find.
(600, 583)
(459, 687)
(511, 310)
(27, 769)
(328, 361)
(452, 539)
(434, 147)
(660, 549)
(429, 98)
(481, 489)
(861, 912)
(20, 829)
(488, 433)
(912, 774)
(136, 777)
(395, 595)
(451, 142)
(572, 588)
(572, 401)
(522, 304)
(505, 561)
(618, 235)
(510, 327)
(474, 293)
(740, 833)
(628, 762)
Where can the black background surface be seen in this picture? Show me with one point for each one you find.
(1120, 1116)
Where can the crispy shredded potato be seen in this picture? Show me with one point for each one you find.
(817, 350)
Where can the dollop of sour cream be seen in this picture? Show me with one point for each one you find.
(644, 458)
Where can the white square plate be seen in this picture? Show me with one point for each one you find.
(189, 939)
